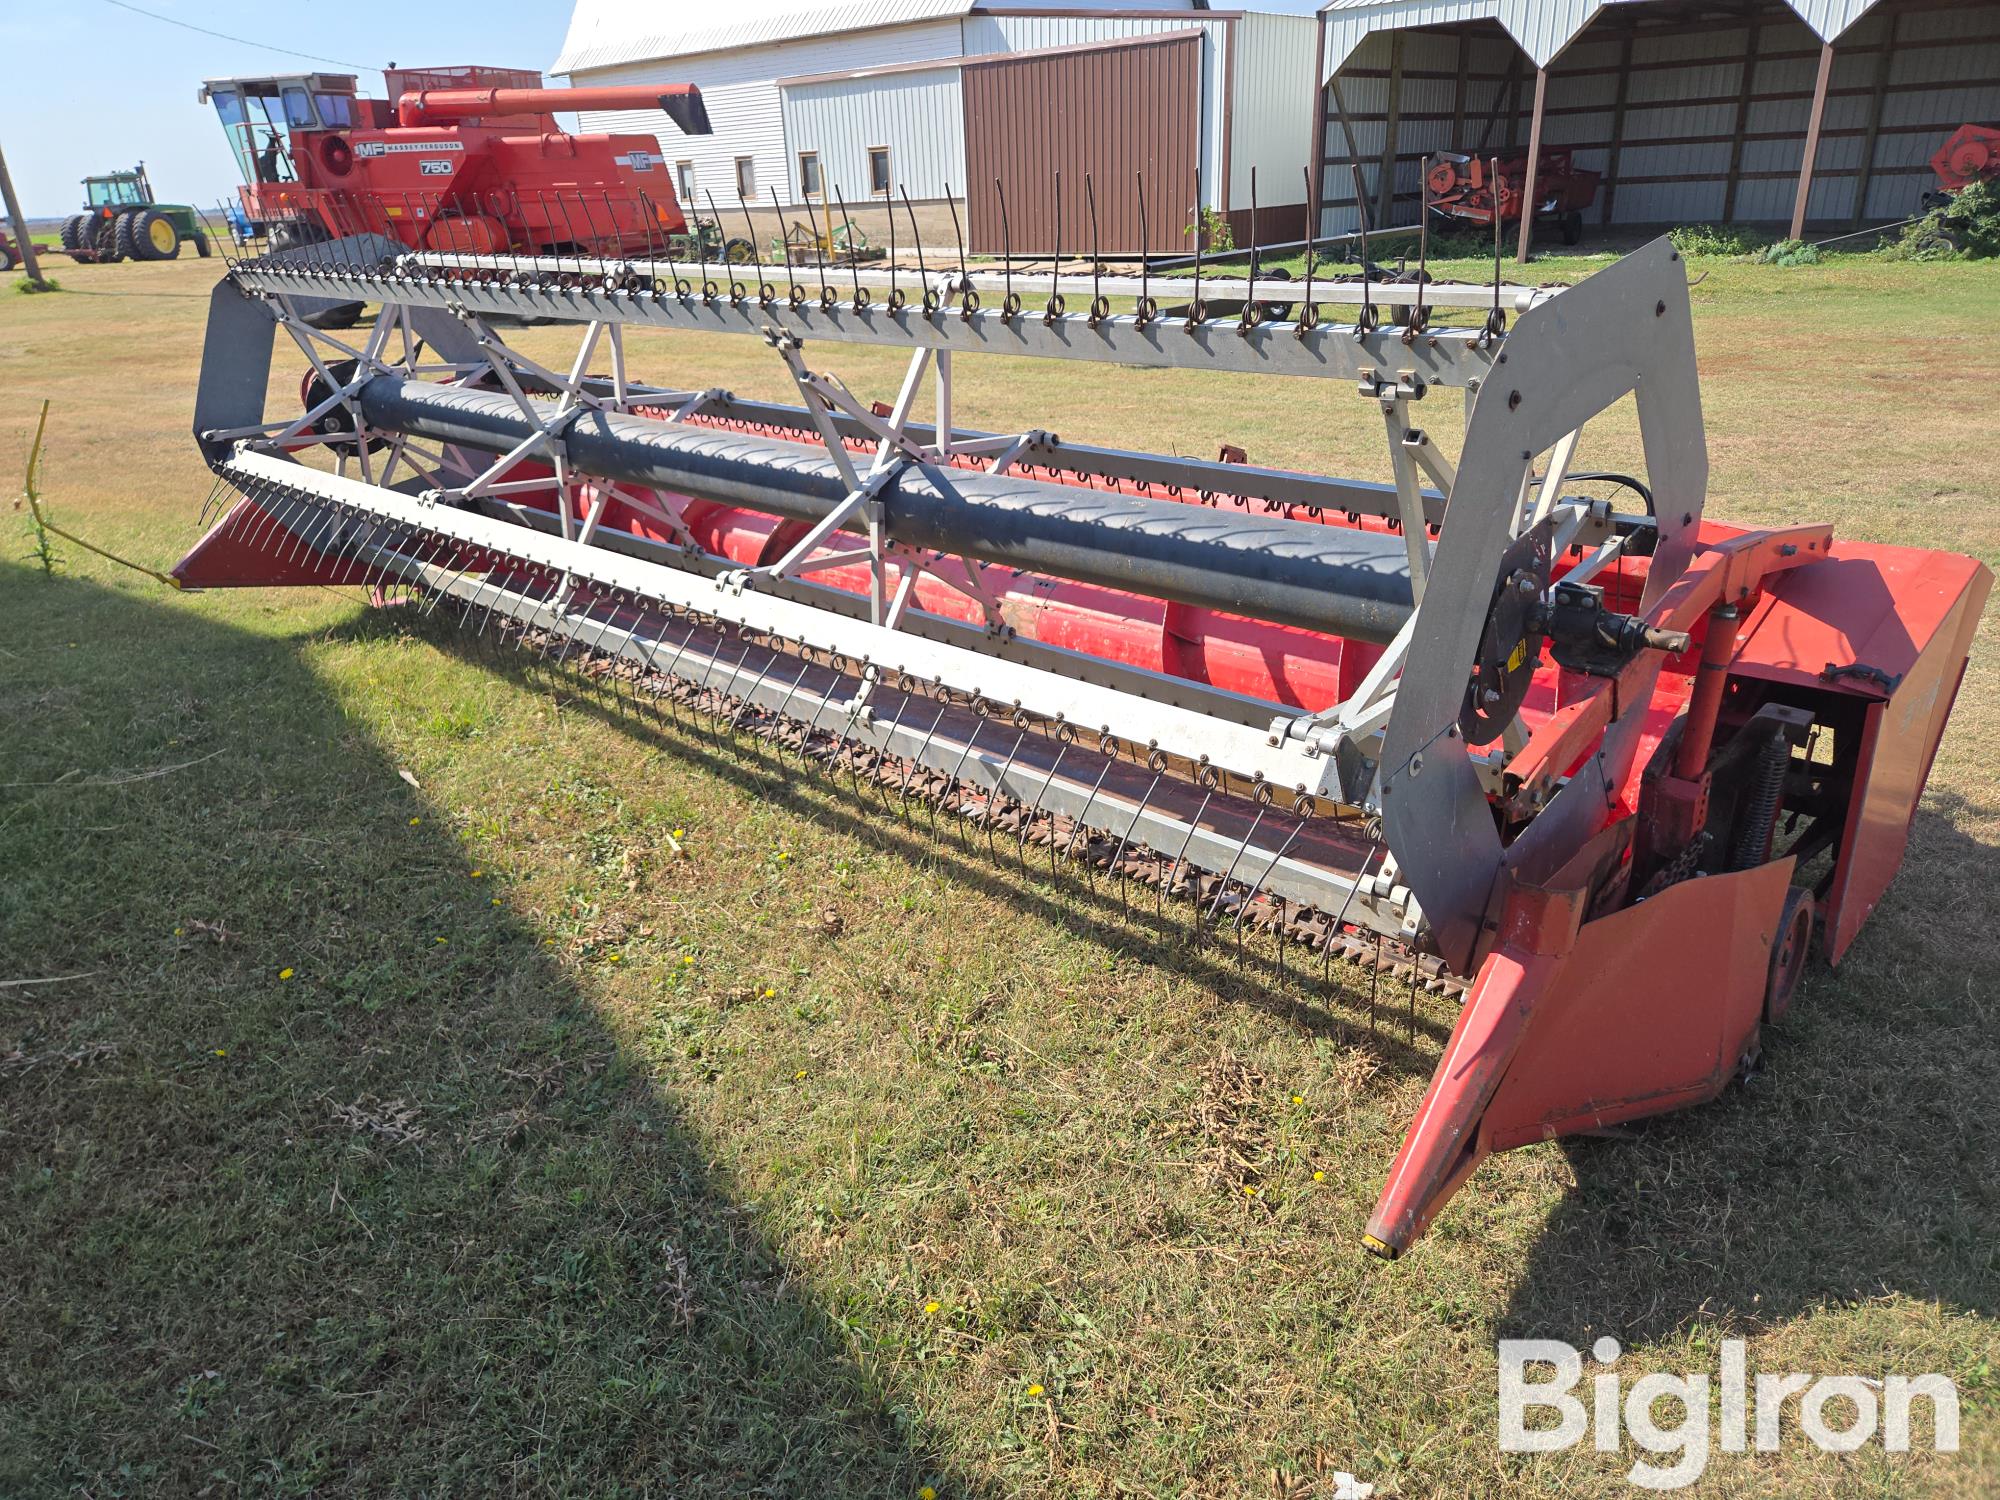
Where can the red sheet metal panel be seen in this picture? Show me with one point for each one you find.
(1107, 113)
(1895, 625)
(1653, 1010)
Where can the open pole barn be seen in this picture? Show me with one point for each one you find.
(1817, 115)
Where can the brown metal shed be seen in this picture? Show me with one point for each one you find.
(1105, 113)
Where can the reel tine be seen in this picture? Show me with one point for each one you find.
(910, 765)
(929, 299)
(1207, 780)
(1028, 823)
(1194, 305)
(999, 782)
(1156, 762)
(945, 788)
(1055, 306)
(1263, 795)
(1107, 746)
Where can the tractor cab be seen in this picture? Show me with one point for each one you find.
(258, 117)
(118, 190)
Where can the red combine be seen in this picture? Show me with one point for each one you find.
(1462, 188)
(466, 159)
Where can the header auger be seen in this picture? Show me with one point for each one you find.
(1579, 771)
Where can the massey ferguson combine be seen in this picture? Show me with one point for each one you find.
(458, 158)
(1569, 776)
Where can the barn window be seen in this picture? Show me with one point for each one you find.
(809, 175)
(746, 178)
(878, 169)
(684, 180)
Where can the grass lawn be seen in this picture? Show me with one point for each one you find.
(451, 1087)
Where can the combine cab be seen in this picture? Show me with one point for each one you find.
(122, 221)
(465, 159)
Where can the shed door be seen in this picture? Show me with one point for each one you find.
(1107, 113)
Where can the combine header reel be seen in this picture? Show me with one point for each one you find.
(1582, 774)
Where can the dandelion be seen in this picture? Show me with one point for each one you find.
(926, 1493)
(1034, 1390)
(769, 993)
(478, 875)
(1298, 1098)
(495, 901)
(614, 958)
(931, 1309)
(782, 857)
(799, 1077)
(680, 833)
(441, 941)
(1319, 1176)
(1249, 1191)
(222, 1052)
(687, 960)
(415, 821)
(180, 932)
(284, 973)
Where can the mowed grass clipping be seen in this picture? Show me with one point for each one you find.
(453, 1085)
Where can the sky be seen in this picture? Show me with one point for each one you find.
(88, 87)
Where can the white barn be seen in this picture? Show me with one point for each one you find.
(848, 95)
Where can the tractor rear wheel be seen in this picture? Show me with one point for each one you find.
(201, 247)
(74, 231)
(154, 236)
(125, 235)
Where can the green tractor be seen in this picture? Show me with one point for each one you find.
(123, 222)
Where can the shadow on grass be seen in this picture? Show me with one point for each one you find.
(295, 1196)
(1402, 1030)
(1860, 1161)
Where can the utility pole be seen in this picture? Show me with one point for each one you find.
(20, 222)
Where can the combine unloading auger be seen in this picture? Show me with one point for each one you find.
(1595, 776)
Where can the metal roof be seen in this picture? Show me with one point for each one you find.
(606, 32)
(603, 33)
(1542, 28)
